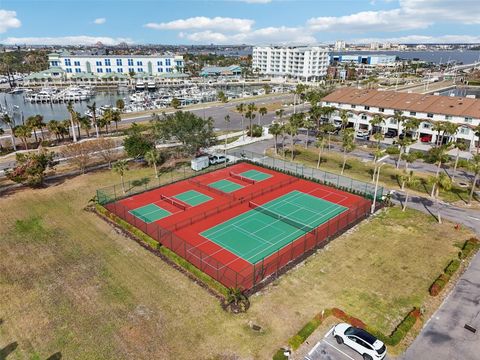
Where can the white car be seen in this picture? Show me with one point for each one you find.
(362, 134)
(360, 340)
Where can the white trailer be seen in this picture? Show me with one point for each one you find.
(200, 163)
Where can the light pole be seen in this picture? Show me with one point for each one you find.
(376, 182)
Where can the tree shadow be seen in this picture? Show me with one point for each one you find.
(56, 356)
(7, 350)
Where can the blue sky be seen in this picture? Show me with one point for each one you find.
(238, 21)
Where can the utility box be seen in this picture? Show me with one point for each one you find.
(200, 163)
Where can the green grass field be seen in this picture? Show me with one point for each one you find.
(71, 284)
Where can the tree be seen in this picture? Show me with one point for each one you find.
(411, 181)
(411, 157)
(237, 300)
(93, 110)
(403, 145)
(153, 157)
(298, 92)
(279, 113)
(35, 123)
(111, 115)
(85, 124)
(439, 127)
(227, 123)
(1, 133)
(348, 145)
(7, 120)
(275, 129)
(222, 97)
(192, 131)
(120, 104)
(251, 108)
(79, 154)
(442, 181)
(439, 156)
(241, 108)
(412, 124)
(399, 119)
(320, 144)
(344, 118)
(460, 146)
(72, 113)
(106, 148)
(30, 168)
(377, 121)
(120, 167)
(262, 111)
(136, 143)
(315, 113)
(474, 166)
(175, 103)
(308, 124)
(250, 115)
(327, 129)
(477, 134)
(449, 129)
(24, 133)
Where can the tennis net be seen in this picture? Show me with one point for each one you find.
(173, 202)
(285, 219)
(242, 178)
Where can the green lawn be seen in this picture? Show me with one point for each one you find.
(71, 284)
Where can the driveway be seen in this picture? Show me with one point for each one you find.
(328, 349)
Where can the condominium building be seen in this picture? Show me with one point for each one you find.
(304, 63)
(121, 64)
(363, 104)
(369, 60)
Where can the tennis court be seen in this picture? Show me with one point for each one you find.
(226, 186)
(192, 197)
(150, 213)
(255, 175)
(267, 228)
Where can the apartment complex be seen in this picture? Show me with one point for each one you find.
(372, 60)
(303, 63)
(151, 65)
(362, 104)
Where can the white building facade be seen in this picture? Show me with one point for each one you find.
(362, 105)
(121, 64)
(304, 63)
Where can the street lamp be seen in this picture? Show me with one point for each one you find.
(376, 182)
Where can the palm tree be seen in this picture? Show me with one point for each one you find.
(344, 118)
(227, 123)
(449, 129)
(279, 113)
(327, 129)
(438, 127)
(460, 146)
(93, 110)
(262, 111)
(309, 124)
(440, 156)
(120, 104)
(321, 141)
(442, 181)
(250, 116)
(403, 146)
(477, 134)
(85, 124)
(71, 111)
(121, 167)
(115, 117)
(35, 123)
(7, 120)
(315, 114)
(377, 121)
(294, 122)
(52, 127)
(411, 157)
(1, 133)
(24, 133)
(399, 118)
(348, 145)
(411, 181)
(412, 124)
(275, 129)
(474, 166)
(241, 109)
(299, 89)
(153, 157)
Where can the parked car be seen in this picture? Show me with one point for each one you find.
(217, 159)
(362, 134)
(426, 138)
(391, 133)
(360, 340)
(408, 134)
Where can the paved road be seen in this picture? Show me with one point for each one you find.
(444, 337)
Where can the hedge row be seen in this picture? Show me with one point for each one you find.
(154, 245)
(393, 339)
(452, 267)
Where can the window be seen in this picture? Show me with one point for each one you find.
(464, 130)
(139, 63)
(78, 70)
(139, 70)
(119, 62)
(381, 109)
(68, 62)
(413, 113)
(167, 62)
(430, 115)
(69, 70)
(353, 106)
(107, 62)
(367, 107)
(364, 117)
(426, 125)
(168, 70)
(393, 121)
(468, 120)
(448, 117)
(160, 63)
(99, 70)
(130, 62)
(108, 70)
(179, 63)
(120, 70)
(131, 70)
(55, 63)
(160, 69)
(76, 63)
(99, 63)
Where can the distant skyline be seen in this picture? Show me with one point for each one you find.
(252, 22)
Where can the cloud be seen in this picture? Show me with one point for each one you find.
(271, 35)
(8, 20)
(205, 23)
(421, 39)
(64, 40)
(100, 21)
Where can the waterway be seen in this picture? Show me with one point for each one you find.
(438, 57)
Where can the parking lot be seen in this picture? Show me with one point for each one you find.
(328, 349)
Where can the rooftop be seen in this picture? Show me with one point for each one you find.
(434, 104)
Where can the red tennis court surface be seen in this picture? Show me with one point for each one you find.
(213, 198)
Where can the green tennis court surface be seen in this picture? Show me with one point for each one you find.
(264, 230)
(150, 213)
(226, 186)
(255, 175)
(192, 197)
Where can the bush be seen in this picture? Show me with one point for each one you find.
(468, 247)
(403, 328)
(439, 284)
(452, 267)
(279, 355)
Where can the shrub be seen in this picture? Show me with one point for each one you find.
(439, 284)
(338, 313)
(403, 328)
(468, 247)
(295, 342)
(452, 267)
(279, 355)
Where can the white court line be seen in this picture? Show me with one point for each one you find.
(340, 351)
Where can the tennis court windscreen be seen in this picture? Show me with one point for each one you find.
(285, 219)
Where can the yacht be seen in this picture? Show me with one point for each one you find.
(140, 85)
(151, 85)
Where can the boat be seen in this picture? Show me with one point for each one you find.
(140, 85)
(151, 85)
